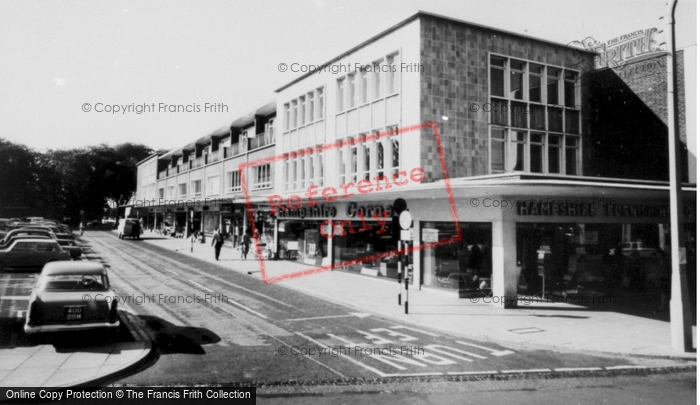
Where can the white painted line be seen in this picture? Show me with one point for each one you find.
(471, 372)
(623, 367)
(533, 370)
(412, 374)
(493, 352)
(172, 272)
(415, 330)
(201, 286)
(357, 314)
(372, 369)
(579, 369)
(232, 302)
(15, 298)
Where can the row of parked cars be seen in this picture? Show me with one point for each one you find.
(32, 242)
(68, 295)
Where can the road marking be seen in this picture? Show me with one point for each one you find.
(471, 372)
(232, 302)
(15, 298)
(534, 370)
(357, 314)
(492, 352)
(412, 374)
(201, 286)
(374, 370)
(415, 330)
(623, 367)
(175, 273)
(348, 342)
(579, 369)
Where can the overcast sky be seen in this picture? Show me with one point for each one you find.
(55, 56)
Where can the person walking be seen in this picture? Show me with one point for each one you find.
(245, 245)
(82, 228)
(217, 241)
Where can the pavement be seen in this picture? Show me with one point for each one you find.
(546, 325)
(56, 363)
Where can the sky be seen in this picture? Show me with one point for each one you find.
(62, 58)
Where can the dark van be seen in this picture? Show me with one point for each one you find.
(129, 227)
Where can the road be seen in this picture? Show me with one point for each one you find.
(215, 325)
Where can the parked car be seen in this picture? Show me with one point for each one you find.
(4, 243)
(58, 232)
(31, 253)
(72, 296)
(129, 227)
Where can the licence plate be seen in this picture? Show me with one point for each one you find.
(74, 313)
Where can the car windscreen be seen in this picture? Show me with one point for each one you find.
(75, 282)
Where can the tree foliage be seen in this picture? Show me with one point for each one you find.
(62, 183)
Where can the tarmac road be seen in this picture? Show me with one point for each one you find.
(215, 325)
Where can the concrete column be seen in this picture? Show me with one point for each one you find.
(504, 280)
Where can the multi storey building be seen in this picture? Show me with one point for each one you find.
(488, 138)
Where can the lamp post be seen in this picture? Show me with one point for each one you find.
(681, 322)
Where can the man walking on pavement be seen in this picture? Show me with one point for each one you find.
(217, 241)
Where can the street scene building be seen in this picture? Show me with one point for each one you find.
(528, 146)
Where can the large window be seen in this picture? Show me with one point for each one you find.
(263, 176)
(524, 151)
(234, 181)
(183, 190)
(213, 185)
(340, 95)
(196, 188)
(534, 116)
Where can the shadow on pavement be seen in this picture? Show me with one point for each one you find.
(172, 339)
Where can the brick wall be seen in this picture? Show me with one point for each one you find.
(647, 79)
(455, 57)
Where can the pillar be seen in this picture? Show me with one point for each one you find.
(504, 280)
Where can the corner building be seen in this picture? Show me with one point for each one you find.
(514, 121)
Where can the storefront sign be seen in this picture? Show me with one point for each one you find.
(369, 211)
(430, 235)
(317, 211)
(566, 208)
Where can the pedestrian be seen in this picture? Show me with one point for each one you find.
(245, 245)
(217, 241)
(82, 228)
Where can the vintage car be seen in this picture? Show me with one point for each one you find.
(60, 234)
(31, 253)
(72, 296)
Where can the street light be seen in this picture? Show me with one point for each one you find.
(681, 326)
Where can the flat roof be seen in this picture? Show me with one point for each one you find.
(432, 15)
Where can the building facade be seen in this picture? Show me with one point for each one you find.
(486, 135)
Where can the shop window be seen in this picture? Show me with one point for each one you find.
(234, 181)
(464, 266)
